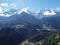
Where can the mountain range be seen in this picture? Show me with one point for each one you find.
(33, 26)
(25, 17)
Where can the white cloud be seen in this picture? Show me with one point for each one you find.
(1, 9)
(49, 13)
(7, 15)
(13, 5)
(4, 4)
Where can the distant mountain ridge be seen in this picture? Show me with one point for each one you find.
(25, 17)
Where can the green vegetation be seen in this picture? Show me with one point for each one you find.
(53, 39)
(27, 43)
(58, 43)
(16, 27)
(48, 27)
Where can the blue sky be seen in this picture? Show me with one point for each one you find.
(32, 4)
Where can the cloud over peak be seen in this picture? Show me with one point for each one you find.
(49, 13)
(4, 4)
(8, 5)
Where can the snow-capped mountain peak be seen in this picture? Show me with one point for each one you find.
(38, 12)
(23, 10)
